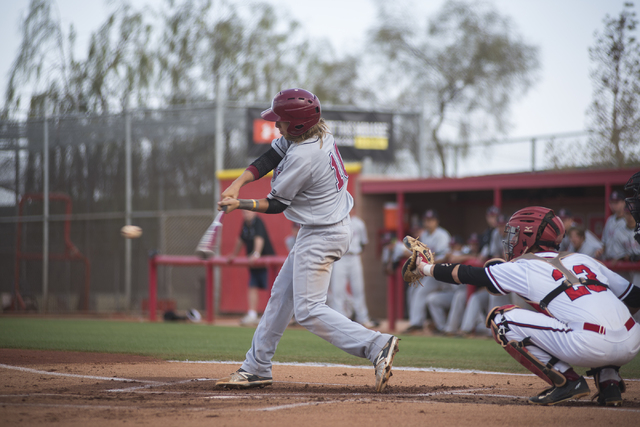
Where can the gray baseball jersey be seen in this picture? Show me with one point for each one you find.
(494, 249)
(610, 227)
(311, 181)
(438, 241)
(590, 246)
(623, 244)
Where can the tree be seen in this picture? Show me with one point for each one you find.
(465, 68)
(118, 65)
(614, 115)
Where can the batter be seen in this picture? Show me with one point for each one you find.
(309, 185)
(585, 316)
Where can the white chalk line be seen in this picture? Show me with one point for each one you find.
(395, 368)
(62, 374)
(262, 395)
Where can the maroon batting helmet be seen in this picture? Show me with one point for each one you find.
(299, 107)
(531, 226)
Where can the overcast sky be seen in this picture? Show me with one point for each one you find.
(563, 30)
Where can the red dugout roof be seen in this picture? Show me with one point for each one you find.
(546, 179)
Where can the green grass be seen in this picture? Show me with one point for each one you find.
(187, 341)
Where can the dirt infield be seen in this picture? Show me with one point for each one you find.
(80, 389)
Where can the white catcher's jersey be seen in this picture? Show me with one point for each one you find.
(533, 280)
(311, 180)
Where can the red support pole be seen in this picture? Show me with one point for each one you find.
(153, 287)
(497, 197)
(209, 292)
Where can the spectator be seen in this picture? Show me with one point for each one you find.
(578, 242)
(623, 245)
(615, 221)
(591, 241)
(437, 238)
(348, 269)
(492, 222)
(255, 239)
(458, 303)
(494, 248)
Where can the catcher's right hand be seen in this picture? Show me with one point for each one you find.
(410, 271)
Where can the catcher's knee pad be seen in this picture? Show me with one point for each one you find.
(496, 331)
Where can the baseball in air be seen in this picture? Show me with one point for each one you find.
(131, 231)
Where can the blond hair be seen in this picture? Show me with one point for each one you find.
(319, 130)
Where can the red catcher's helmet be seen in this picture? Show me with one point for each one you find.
(299, 107)
(531, 226)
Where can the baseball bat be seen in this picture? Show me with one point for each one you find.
(209, 239)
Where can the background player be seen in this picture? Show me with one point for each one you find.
(348, 269)
(437, 238)
(587, 321)
(254, 236)
(309, 185)
(633, 202)
(615, 221)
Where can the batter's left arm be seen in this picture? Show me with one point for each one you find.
(269, 206)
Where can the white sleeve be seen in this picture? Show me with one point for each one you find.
(509, 277)
(617, 284)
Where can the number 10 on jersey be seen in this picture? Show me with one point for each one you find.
(335, 160)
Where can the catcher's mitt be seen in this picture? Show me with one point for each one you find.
(410, 274)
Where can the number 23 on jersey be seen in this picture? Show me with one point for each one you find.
(578, 291)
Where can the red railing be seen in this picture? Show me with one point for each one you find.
(273, 263)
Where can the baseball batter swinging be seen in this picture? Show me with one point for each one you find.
(584, 318)
(309, 185)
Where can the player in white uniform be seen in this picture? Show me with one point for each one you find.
(438, 239)
(591, 246)
(585, 316)
(309, 185)
(348, 269)
(615, 221)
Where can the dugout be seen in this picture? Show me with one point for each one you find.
(462, 202)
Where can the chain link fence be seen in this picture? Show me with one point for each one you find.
(156, 169)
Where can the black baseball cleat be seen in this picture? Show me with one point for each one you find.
(610, 394)
(243, 379)
(571, 390)
(383, 363)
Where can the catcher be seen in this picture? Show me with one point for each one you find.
(585, 308)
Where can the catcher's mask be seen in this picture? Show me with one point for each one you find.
(633, 202)
(531, 226)
(299, 107)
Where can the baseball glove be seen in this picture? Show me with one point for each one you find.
(410, 273)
